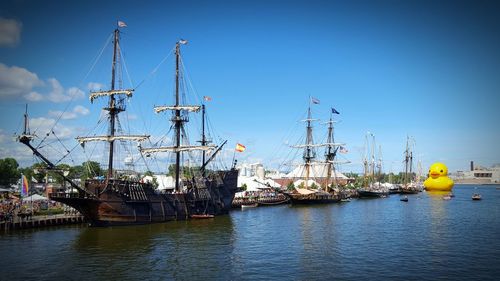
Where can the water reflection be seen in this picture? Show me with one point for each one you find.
(423, 239)
(191, 250)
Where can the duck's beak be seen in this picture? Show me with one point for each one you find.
(434, 174)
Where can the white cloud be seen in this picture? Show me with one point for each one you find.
(16, 81)
(62, 115)
(10, 32)
(75, 113)
(74, 92)
(81, 110)
(19, 82)
(33, 96)
(44, 126)
(95, 86)
(9, 147)
(57, 94)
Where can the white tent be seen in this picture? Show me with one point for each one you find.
(34, 197)
(255, 184)
(164, 181)
(317, 170)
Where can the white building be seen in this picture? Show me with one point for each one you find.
(164, 182)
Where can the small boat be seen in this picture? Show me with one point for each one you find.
(245, 206)
(201, 216)
(345, 200)
(451, 194)
(447, 197)
(404, 199)
(476, 196)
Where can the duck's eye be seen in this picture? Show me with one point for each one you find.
(441, 171)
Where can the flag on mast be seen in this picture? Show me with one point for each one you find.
(207, 98)
(24, 186)
(240, 147)
(314, 100)
(335, 111)
(121, 24)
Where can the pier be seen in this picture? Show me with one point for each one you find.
(40, 221)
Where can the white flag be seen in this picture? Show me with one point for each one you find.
(121, 24)
(183, 42)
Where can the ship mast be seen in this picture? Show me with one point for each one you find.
(113, 111)
(309, 153)
(114, 108)
(25, 138)
(407, 159)
(331, 151)
(178, 121)
(203, 137)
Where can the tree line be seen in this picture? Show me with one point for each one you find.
(10, 172)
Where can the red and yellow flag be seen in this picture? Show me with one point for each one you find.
(240, 147)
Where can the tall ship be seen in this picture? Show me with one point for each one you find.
(118, 200)
(319, 179)
(372, 188)
(410, 185)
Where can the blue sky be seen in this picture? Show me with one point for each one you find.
(427, 69)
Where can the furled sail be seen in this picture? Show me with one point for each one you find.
(178, 148)
(191, 108)
(317, 145)
(137, 138)
(95, 95)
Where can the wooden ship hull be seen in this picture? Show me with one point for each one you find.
(404, 190)
(314, 198)
(280, 198)
(371, 194)
(129, 202)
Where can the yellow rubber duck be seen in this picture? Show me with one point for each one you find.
(438, 179)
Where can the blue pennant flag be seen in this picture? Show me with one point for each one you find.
(335, 111)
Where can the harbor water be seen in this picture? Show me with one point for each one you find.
(426, 238)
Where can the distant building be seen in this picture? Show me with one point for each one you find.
(478, 175)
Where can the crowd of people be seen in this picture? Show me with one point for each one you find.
(13, 208)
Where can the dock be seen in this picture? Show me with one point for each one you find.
(41, 221)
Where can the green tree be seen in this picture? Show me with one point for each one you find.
(187, 172)
(39, 173)
(91, 169)
(61, 168)
(9, 173)
(76, 172)
(244, 187)
(28, 172)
